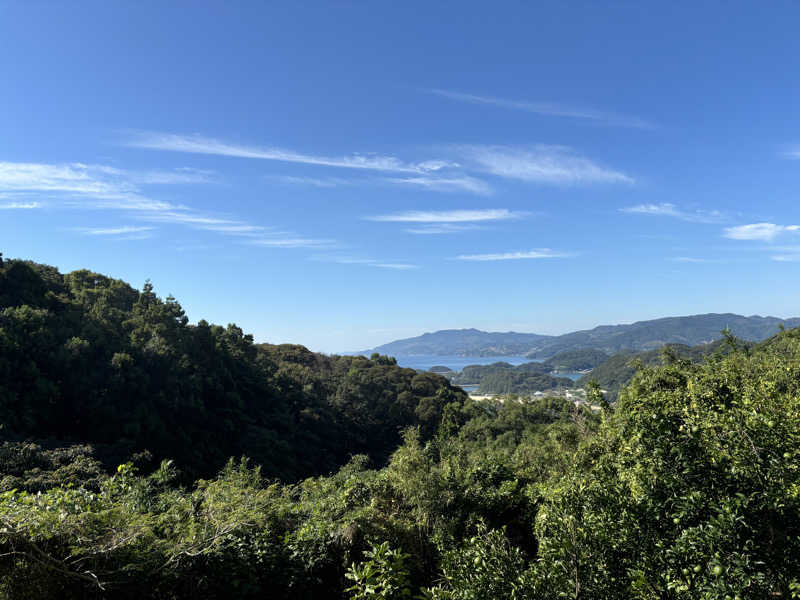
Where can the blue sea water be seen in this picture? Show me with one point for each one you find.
(457, 363)
(423, 362)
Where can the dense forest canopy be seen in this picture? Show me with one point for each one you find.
(368, 481)
(581, 359)
(504, 378)
(87, 358)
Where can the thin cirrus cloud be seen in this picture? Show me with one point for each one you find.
(786, 258)
(20, 205)
(78, 185)
(293, 242)
(115, 231)
(367, 262)
(442, 228)
(180, 176)
(197, 144)
(449, 216)
(539, 163)
(693, 260)
(548, 109)
(329, 182)
(531, 254)
(428, 222)
(255, 235)
(667, 209)
(558, 165)
(793, 152)
(205, 222)
(453, 183)
(765, 232)
(464, 183)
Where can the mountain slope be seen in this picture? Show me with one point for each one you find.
(642, 335)
(649, 335)
(617, 371)
(465, 342)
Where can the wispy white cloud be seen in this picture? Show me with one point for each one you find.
(20, 205)
(450, 216)
(197, 144)
(463, 183)
(180, 176)
(792, 152)
(667, 209)
(256, 235)
(115, 231)
(692, 259)
(455, 182)
(368, 262)
(293, 242)
(201, 221)
(549, 109)
(176, 176)
(786, 257)
(541, 164)
(544, 164)
(764, 232)
(134, 236)
(77, 183)
(531, 254)
(430, 222)
(442, 228)
(328, 182)
(75, 178)
(395, 266)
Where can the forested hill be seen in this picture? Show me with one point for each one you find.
(650, 335)
(642, 335)
(618, 370)
(86, 358)
(503, 378)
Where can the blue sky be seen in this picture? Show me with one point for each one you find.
(344, 174)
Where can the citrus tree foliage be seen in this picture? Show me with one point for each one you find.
(486, 565)
(690, 490)
(382, 575)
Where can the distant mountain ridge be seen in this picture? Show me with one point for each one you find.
(465, 342)
(642, 335)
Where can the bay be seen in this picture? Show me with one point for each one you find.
(424, 362)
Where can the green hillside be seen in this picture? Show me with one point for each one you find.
(581, 359)
(366, 481)
(86, 358)
(619, 369)
(504, 378)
